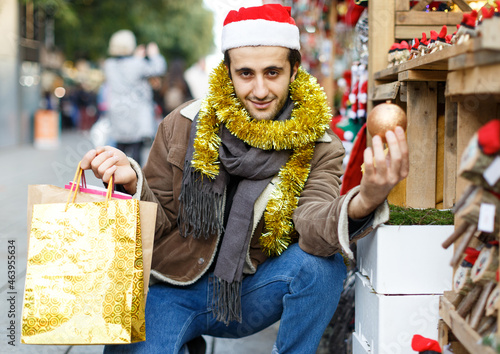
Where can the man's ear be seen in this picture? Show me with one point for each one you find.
(295, 69)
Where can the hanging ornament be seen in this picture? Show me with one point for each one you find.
(384, 117)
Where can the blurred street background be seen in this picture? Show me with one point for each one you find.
(53, 103)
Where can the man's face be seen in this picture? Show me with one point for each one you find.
(261, 79)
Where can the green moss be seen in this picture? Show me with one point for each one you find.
(409, 216)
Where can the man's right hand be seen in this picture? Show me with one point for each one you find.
(108, 161)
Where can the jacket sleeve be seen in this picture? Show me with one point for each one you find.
(164, 167)
(321, 217)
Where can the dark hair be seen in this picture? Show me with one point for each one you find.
(294, 57)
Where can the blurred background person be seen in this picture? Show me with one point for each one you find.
(175, 89)
(197, 79)
(130, 105)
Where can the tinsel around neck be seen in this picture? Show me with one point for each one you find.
(309, 119)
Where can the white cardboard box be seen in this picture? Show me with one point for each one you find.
(359, 346)
(407, 259)
(386, 323)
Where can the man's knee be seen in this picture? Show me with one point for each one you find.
(325, 273)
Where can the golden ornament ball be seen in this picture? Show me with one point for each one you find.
(384, 117)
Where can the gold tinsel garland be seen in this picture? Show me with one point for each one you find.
(309, 120)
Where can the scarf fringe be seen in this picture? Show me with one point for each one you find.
(226, 301)
(201, 213)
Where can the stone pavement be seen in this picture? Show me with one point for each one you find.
(26, 165)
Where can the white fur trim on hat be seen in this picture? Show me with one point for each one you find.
(260, 33)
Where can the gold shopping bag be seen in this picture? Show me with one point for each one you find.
(84, 277)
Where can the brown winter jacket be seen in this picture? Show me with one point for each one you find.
(320, 218)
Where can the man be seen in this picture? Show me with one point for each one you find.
(250, 224)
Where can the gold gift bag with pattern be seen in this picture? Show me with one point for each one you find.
(84, 277)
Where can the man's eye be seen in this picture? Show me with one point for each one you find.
(245, 73)
(273, 73)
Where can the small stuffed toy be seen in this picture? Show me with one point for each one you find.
(441, 41)
(414, 49)
(423, 45)
(431, 47)
(467, 27)
(489, 17)
(404, 49)
(391, 54)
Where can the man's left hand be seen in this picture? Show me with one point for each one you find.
(382, 172)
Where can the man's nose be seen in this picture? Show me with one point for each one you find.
(260, 89)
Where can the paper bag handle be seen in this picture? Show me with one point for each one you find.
(80, 177)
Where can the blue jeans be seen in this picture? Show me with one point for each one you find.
(300, 289)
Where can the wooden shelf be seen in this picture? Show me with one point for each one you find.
(434, 61)
(469, 338)
(447, 95)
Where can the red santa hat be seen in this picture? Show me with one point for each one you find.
(394, 47)
(424, 40)
(470, 22)
(266, 25)
(404, 45)
(434, 36)
(471, 255)
(442, 34)
(487, 12)
(415, 45)
(489, 137)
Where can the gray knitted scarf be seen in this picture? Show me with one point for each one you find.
(202, 203)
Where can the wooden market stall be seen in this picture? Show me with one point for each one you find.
(447, 95)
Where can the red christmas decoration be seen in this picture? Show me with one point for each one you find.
(489, 137)
(422, 344)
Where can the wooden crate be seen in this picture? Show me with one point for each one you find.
(410, 23)
(468, 338)
(470, 72)
(392, 20)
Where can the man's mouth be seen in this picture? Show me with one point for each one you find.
(261, 105)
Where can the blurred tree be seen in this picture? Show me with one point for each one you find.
(182, 29)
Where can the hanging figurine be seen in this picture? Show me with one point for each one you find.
(462, 282)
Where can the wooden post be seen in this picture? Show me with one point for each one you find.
(402, 5)
(422, 139)
(450, 154)
(473, 113)
(381, 36)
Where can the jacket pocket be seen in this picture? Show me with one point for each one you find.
(176, 156)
